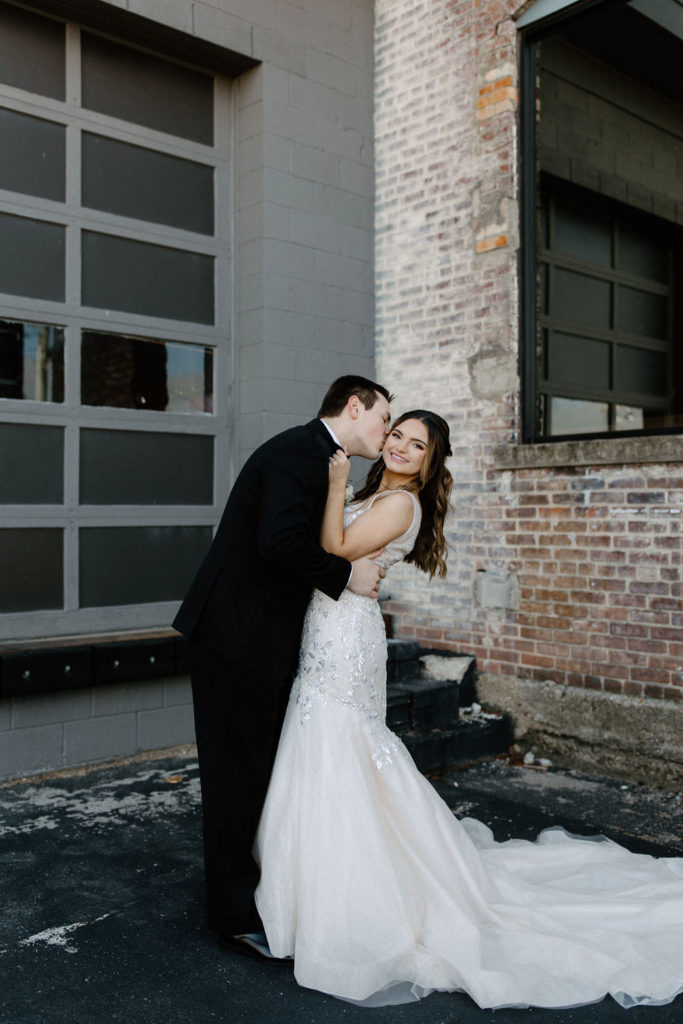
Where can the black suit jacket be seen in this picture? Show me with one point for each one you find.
(249, 597)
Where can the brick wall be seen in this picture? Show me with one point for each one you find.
(567, 574)
(599, 552)
(570, 575)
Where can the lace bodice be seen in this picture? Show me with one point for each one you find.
(343, 646)
(398, 548)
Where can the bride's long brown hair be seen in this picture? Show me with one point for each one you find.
(433, 484)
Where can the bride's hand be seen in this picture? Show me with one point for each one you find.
(339, 467)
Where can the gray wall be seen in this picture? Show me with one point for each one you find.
(60, 730)
(301, 229)
(305, 213)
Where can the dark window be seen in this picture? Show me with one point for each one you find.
(152, 280)
(601, 235)
(608, 356)
(31, 569)
(138, 564)
(120, 467)
(31, 464)
(31, 258)
(135, 182)
(23, 33)
(32, 155)
(147, 90)
(109, 327)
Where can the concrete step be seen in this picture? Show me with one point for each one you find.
(431, 705)
(467, 742)
(422, 703)
(403, 660)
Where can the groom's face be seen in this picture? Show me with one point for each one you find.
(372, 428)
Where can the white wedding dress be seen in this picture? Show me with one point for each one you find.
(381, 895)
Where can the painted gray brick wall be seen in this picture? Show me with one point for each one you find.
(305, 197)
(303, 296)
(52, 731)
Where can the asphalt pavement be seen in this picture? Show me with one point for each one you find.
(102, 898)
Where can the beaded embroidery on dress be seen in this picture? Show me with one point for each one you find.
(344, 649)
(382, 896)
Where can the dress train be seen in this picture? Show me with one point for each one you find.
(381, 895)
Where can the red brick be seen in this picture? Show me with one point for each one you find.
(614, 686)
(648, 646)
(550, 622)
(667, 662)
(620, 629)
(606, 641)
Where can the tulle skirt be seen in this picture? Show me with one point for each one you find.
(382, 896)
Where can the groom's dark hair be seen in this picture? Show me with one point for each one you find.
(341, 389)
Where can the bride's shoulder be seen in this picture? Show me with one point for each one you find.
(399, 494)
(404, 502)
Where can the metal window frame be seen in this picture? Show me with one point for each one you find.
(73, 416)
(614, 335)
(539, 21)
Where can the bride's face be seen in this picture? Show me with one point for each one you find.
(405, 448)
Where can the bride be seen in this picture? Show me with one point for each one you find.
(368, 880)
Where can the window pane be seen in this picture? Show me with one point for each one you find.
(640, 253)
(31, 258)
(31, 570)
(22, 33)
(642, 312)
(151, 91)
(544, 225)
(576, 416)
(581, 234)
(641, 370)
(543, 284)
(655, 419)
(581, 298)
(31, 361)
(544, 355)
(138, 373)
(612, 364)
(153, 280)
(31, 464)
(628, 417)
(139, 564)
(136, 182)
(145, 468)
(189, 373)
(581, 362)
(32, 155)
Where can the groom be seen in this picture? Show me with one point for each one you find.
(243, 617)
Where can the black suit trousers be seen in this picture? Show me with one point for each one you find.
(238, 718)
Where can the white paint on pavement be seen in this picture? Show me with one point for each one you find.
(61, 935)
(109, 803)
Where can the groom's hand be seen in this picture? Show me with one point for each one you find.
(366, 575)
